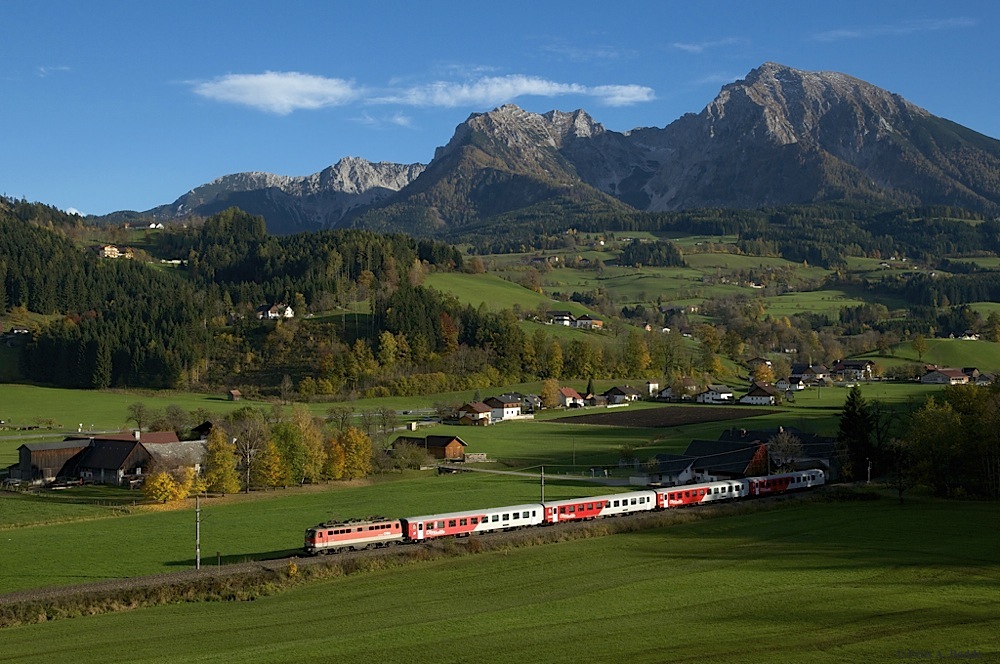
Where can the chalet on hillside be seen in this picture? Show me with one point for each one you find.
(275, 312)
(854, 370)
(621, 394)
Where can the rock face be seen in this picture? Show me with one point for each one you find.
(290, 204)
(779, 136)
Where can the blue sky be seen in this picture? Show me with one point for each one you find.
(127, 105)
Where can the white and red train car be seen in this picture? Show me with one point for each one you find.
(577, 509)
(419, 528)
(334, 537)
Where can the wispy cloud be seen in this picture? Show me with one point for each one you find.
(717, 79)
(280, 92)
(493, 90)
(44, 71)
(589, 53)
(396, 119)
(895, 29)
(701, 47)
(285, 92)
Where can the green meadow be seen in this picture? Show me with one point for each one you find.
(807, 582)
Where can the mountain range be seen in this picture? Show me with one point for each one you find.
(779, 136)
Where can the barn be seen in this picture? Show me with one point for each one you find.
(451, 448)
(45, 462)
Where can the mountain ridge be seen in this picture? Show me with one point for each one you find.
(778, 136)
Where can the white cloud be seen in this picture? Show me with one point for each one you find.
(45, 71)
(279, 92)
(701, 47)
(72, 210)
(285, 92)
(493, 90)
(903, 28)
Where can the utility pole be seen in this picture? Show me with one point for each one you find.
(869, 470)
(197, 532)
(543, 484)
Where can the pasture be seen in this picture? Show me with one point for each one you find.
(96, 543)
(807, 582)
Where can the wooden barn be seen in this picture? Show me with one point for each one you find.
(451, 448)
(45, 462)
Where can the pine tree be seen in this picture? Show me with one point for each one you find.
(854, 438)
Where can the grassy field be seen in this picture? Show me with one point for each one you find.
(956, 353)
(816, 582)
(103, 542)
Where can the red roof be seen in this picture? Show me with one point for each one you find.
(569, 393)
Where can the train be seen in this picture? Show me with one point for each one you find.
(379, 532)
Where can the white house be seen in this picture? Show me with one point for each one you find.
(760, 394)
(570, 398)
(715, 394)
(275, 312)
(503, 408)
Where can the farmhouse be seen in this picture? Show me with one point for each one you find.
(672, 469)
(560, 318)
(46, 462)
(945, 377)
(588, 322)
(721, 459)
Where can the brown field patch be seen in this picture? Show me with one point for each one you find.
(667, 416)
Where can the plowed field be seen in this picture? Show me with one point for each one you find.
(667, 416)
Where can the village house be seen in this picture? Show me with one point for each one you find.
(503, 407)
(790, 384)
(275, 312)
(570, 398)
(560, 318)
(588, 322)
(810, 373)
(851, 370)
(475, 413)
(685, 390)
(760, 394)
(715, 394)
(619, 395)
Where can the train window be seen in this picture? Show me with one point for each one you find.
(506, 517)
(572, 509)
(616, 503)
(475, 521)
(360, 529)
(463, 522)
(496, 517)
(633, 501)
(451, 523)
(420, 526)
(517, 515)
(328, 533)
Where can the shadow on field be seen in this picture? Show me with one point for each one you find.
(209, 558)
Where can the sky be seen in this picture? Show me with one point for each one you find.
(109, 106)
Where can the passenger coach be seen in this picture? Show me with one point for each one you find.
(418, 528)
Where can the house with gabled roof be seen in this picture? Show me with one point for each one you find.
(275, 312)
(570, 398)
(588, 322)
(854, 370)
(503, 407)
(672, 469)
(760, 394)
(715, 394)
(621, 394)
(475, 413)
(561, 318)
